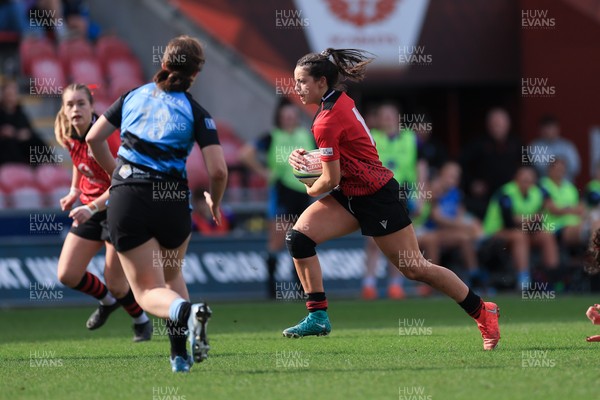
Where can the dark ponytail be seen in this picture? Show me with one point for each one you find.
(592, 256)
(183, 58)
(349, 63)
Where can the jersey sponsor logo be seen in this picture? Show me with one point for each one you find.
(326, 151)
(125, 171)
(210, 123)
(363, 12)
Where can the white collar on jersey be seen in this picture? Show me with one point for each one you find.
(328, 96)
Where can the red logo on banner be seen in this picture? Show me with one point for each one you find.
(362, 12)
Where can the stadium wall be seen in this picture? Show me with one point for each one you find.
(567, 56)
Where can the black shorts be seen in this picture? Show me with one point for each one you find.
(94, 228)
(380, 213)
(286, 201)
(139, 212)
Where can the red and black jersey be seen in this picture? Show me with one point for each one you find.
(94, 180)
(341, 134)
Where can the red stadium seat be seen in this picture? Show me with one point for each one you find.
(49, 177)
(9, 37)
(122, 85)
(71, 49)
(34, 48)
(15, 176)
(101, 103)
(230, 142)
(26, 198)
(109, 47)
(122, 68)
(87, 70)
(48, 76)
(196, 170)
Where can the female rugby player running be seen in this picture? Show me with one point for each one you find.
(149, 214)
(87, 234)
(592, 266)
(362, 194)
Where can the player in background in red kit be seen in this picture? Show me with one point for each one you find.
(89, 233)
(362, 194)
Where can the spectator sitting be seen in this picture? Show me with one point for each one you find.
(490, 162)
(592, 194)
(46, 19)
(17, 136)
(551, 144)
(454, 228)
(515, 216)
(13, 18)
(565, 211)
(430, 150)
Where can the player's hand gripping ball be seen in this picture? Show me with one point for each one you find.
(312, 169)
(594, 316)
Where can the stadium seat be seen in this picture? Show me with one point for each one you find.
(48, 177)
(9, 37)
(87, 70)
(122, 85)
(109, 47)
(230, 142)
(15, 176)
(34, 48)
(49, 76)
(75, 48)
(117, 68)
(55, 194)
(26, 198)
(101, 103)
(196, 170)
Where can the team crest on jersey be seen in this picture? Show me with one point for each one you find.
(210, 123)
(326, 151)
(362, 12)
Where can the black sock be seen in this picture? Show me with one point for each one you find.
(92, 285)
(130, 305)
(472, 304)
(316, 301)
(178, 339)
(271, 269)
(184, 313)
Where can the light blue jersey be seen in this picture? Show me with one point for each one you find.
(158, 131)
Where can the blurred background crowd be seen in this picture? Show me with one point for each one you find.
(505, 206)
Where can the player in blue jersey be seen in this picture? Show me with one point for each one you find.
(149, 214)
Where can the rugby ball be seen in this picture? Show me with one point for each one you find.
(312, 171)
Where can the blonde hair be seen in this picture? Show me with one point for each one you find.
(63, 130)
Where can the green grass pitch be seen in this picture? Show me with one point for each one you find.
(414, 349)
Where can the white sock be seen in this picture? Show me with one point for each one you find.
(108, 300)
(142, 319)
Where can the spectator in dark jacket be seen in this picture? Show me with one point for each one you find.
(17, 137)
(490, 161)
